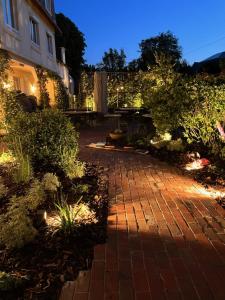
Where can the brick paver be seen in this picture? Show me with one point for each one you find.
(166, 237)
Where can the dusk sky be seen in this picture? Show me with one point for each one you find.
(198, 24)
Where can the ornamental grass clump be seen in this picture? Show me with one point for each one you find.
(69, 218)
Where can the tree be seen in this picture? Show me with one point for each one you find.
(73, 41)
(113, 61)
(164, 43)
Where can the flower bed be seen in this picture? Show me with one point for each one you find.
(39, 269)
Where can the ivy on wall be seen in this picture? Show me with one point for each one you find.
(9, 106)
(61, 94)
(86, 89)
(42, 75)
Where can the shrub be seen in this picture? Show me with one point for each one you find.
(35, 196)
(72, 167)
(16, 227)
(165, 94)
(47, 137)
(206, 110)
(50, 182)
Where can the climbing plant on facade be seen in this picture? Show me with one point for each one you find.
(86, 89)
(61, 94)
(9, 106)
(42, 75)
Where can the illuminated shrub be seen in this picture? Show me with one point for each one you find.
(48, 138)
(16, 227)
(206, 110)
(50, 182)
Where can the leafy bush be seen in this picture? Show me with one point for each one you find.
(48, 138)
(50, 182)
(72, 167)
(206, 110)
(164, 93)
(16, 227)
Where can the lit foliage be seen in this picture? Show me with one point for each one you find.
(61, 92)
(70, 217)
(206, 109)
(6, 158)
(165, 95)
(86, 89)
(16, 227)
(48, 138)
(51, 182)
(42, 75)
(9, 107)
(71, 166)
(22, 172)
(124, 88)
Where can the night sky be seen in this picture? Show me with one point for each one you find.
(199, 24)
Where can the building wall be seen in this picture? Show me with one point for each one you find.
(19, 42)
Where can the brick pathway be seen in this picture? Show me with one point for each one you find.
(166, 238)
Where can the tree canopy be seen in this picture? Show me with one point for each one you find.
(72, 39)
(113, 61)
(162, 44)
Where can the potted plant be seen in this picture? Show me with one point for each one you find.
(117, 134)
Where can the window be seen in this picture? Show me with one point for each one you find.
(34, 31)
(10, 13)
(49, 43)
(48, 5)
(16, 83)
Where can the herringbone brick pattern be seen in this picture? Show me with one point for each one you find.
(166, 237)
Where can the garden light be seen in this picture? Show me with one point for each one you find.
(33, 88)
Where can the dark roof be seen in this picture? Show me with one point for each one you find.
(220, 55)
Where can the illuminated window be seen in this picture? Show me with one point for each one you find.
(9, 8)
(49, 43)
(34, 31)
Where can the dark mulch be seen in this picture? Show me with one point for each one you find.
(50, 260)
